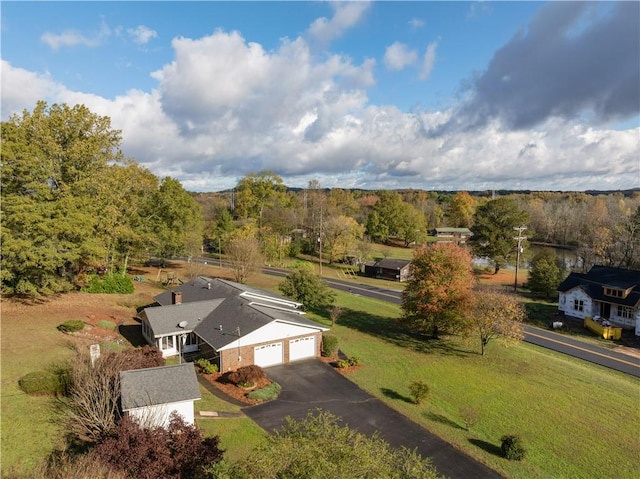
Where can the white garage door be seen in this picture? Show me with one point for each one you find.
(302, 348)
(268, 355)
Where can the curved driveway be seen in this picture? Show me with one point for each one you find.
(311, 384)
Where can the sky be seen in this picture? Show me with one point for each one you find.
(372, 95)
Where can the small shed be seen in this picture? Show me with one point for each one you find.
(151, 395)
(388, 268)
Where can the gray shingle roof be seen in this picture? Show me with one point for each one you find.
(161, 385)
(215, 309)
(390, 263)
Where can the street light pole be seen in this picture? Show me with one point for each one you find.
(519, 229)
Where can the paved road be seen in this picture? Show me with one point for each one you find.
(538, 336)
(311, 384)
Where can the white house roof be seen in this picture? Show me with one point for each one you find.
(160, 385)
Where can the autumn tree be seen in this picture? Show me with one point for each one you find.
(243, 253)
(496, 315)
(178, 451)
(318, 446)
(257, 191)
(303, 285)
(493, 230)
(461, 210)
(545, 273)
(439, 292)
(385, 219)
(340, 235)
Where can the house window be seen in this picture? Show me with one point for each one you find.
(167, 342)
(616, 293)
(578, 305)
(625, 312)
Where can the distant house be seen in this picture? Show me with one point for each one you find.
(458, 235)
(388, 268)
(612, 294)
(230, 324)
(151, 395)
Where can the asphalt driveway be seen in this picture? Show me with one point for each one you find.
(311, 384)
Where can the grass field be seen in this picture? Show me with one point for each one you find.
(578, 420)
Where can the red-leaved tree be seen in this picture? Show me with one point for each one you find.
(439, 293)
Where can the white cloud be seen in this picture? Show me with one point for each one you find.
(398, 56)
(428, 61)
(142, 34)
(68, 38)
(416, 23)
(225, 107)
(346, 15)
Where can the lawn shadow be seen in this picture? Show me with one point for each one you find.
(133, 334)
(391, 394)
(443, 420)
(487, 446)
(389, 330)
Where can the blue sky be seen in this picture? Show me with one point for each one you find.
(433, 95)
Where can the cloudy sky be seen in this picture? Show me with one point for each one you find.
(431, 95)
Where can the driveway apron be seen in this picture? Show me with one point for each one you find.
(311, 385)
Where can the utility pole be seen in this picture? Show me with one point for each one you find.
(320, 241)
(519, 238)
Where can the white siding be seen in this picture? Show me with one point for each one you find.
(159, 415)
(276, 330)
(567, 301)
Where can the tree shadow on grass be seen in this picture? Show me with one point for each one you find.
(443, 420)
(487, 446)
(389, 330)
(391, 394)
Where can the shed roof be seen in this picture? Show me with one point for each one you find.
(160, 385)
(390, 263)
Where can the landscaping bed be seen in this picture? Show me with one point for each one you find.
(236, 392)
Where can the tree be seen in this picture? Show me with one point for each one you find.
(545, 273)
(54, 161)
(439, 292)
(92, 403)
(243, 252)
(387, 216)
(497, 315)
(493, 230)
(257, 191)
(179, 451)
(303, 285)
(319, 447)
(340, 236)
(461, 210)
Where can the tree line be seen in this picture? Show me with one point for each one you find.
(73, 204)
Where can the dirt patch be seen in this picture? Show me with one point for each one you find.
(234, 391)
(503, 278)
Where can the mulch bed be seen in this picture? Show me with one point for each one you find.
(234, 391)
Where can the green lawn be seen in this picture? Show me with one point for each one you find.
(575, 418)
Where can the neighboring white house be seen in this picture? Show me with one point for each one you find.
(231, 325)
(151, 395)
(607, 292)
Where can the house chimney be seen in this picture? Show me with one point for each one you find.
(176, 297)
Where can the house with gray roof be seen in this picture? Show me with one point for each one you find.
(230, 324)
(605, 292)
(388, 268)
(151, 395)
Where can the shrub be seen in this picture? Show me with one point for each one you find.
(353, 361)
(106, 324)
(329, 345)
(419, 391)
(343, 363)
(266, 393)
(512, 448)
(246, 375)
(110, 283)
(206, 367)
(71, 326)
(45, 383)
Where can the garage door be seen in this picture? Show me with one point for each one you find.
(302, 348)
(268, 355)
